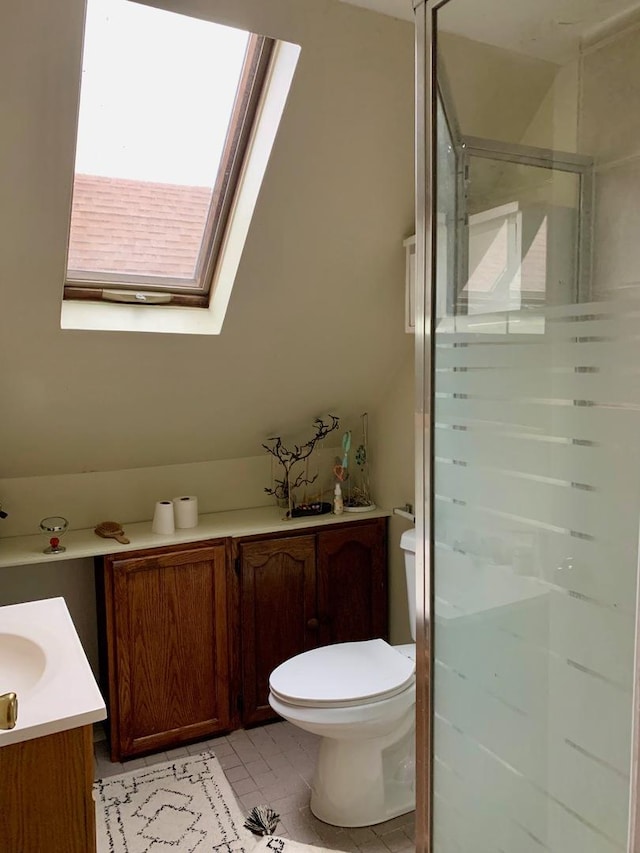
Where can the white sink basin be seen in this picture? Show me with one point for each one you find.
(43, 662)
(23, 664)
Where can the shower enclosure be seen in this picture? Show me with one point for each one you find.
(528, 364)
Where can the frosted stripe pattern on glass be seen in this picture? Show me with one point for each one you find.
(537, 500)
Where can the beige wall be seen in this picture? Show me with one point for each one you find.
(555, 123)
(96, 425)
(393, 469)
(495, 91)
(610, 133)
(130, 495)
(315, 322)
(71, 579)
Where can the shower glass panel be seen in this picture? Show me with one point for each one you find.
(447, 216)
(536, 439)
(521, 236)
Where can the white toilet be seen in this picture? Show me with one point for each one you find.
(360, 697)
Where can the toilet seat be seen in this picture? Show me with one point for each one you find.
(343, 675)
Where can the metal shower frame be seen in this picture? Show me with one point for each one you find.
(466, 147)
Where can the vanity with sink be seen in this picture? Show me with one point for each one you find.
(46, 758)
(190, 626)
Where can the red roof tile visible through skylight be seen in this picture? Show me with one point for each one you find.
(138, 227)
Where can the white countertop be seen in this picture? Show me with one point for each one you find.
(26, 550)
(43, 662)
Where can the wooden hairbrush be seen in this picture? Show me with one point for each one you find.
(111, 530)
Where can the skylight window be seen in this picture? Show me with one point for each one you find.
(166, 112)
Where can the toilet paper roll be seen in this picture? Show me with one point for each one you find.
(163, 521)
(185, 511)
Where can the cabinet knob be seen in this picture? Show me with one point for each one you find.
(313, 624)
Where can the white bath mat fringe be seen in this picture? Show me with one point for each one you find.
(262, 820)
(273, 844)
(183, 805)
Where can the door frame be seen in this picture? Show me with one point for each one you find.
(424, 327)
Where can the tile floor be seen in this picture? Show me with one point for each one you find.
(272, 765)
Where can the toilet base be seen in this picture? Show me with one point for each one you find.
(365, 781)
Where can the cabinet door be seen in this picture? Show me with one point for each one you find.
(46, 802)
(278, 594)
(169, 661)
(352, 582)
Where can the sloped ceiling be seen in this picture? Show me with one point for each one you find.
(546, 29)
(402, 9)
(315, 322)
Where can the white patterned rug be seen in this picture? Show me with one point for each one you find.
(184, 805)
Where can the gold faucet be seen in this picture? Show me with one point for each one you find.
(8, 710)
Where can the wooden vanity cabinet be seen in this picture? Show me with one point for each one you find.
(188, 644)
(166, 624)
(278, 613)
(302, 591)
(351, 577)
(46, 801)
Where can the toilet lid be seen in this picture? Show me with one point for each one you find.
(343, 674)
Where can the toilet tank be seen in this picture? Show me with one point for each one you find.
(408, 545)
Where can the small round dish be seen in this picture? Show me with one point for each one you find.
(318, 508)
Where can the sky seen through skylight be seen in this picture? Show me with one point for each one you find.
(157, 92)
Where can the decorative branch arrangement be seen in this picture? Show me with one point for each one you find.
(289, 458)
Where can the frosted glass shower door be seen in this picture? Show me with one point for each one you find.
(535, 556)
(536, 426)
